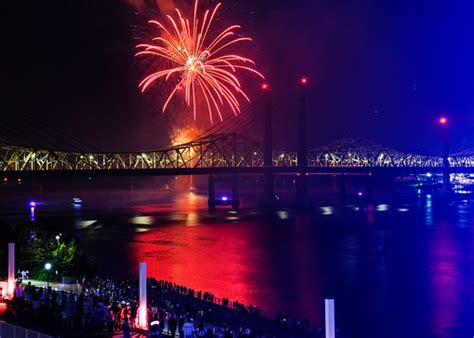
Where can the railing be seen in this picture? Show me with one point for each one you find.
(12, 331)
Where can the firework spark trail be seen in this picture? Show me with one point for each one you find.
(199, 67)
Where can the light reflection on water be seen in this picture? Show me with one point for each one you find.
(396, 267)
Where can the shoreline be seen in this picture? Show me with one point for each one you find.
(165, 298)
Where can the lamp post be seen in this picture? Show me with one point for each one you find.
(11, 269)
(329, 318)
(142, 309)
(443, 122)
(48, 267)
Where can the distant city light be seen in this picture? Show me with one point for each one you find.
(327, 210)
(283, 215)
(33, 204)
(303, 81)
(360, 193)
(443, 120)
(142, 220)
(5, 179)
(224, 198)
(76, 200)
(429, 174)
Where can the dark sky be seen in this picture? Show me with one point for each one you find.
(378, 69)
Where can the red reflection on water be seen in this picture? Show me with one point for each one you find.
(370, 214)
(213, 257)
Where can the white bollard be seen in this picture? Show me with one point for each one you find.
(142, 309)
(330, 318)
(11, 270)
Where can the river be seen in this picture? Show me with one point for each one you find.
(399, 265)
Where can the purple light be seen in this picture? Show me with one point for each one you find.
(360, 193)
(32, 204)
(224, 198)
(32, 214)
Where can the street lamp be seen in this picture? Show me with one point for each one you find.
(48, 267)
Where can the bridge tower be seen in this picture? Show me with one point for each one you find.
(443, 121)
(268, 179)
(302, 198)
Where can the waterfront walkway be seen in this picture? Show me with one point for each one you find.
(105, 308)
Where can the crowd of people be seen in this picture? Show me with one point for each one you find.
(105, 307)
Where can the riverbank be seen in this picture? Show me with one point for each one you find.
(107, 308)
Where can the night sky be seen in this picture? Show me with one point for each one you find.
(383, 70)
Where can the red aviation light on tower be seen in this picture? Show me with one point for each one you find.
(265, 86)
(443, 120)
(304, 81)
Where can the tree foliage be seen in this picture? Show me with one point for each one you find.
(36, 244)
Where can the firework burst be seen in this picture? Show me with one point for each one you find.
(198, 64)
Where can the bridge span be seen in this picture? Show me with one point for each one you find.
(225, 154)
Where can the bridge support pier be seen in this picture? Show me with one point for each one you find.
(342, 187)
(213, 202)
(211, 191)
(369, 187)
(303, 202)
(235, 192)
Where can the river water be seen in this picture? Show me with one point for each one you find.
(399, 265)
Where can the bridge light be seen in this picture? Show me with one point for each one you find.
(265, 86)
(304, 81)
(443, 120)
